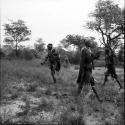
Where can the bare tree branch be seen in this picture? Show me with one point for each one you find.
(116, 36)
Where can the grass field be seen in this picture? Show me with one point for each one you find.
(28, 95)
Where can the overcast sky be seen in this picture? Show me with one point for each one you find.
(50, 20)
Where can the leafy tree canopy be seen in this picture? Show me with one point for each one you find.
(16, 32)
(109, 22)
(78, 41)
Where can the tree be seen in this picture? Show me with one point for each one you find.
(109, 22)
(78, 41)
(39, 45)
(122, 26)
(16, 32)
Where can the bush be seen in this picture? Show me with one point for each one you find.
(71, 118)
(74, 57)
(15, 70)
(2, 54)
(11, 55)
(27, 54)
(97, 63)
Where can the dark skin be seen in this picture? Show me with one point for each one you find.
(93, 88)
(111, 68)
(52, 67)
(86, 72)
(52, 73)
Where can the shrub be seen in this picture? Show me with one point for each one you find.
(71, 118)
(2, 54)
(27, 54)
(15, 70)
(11, 55)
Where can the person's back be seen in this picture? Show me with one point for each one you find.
(86, 58)
(85, 72)
(110, 65)
(109, 59)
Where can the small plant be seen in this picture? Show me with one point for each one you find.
(70, 118)
(6, 117)
(32, 88)
(45, 105)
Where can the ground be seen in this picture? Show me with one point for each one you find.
(30, 96)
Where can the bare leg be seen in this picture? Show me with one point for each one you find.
(52, 73)
(114, 75)
(105, 79)
(80, 86)
(116, 78)
(93, 88)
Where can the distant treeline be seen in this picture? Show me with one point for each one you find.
(73, 56)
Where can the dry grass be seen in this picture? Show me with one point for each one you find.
(30, 82)
(16, 70)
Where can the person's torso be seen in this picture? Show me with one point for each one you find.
(88, 59)
(53, 56)
(110, 60)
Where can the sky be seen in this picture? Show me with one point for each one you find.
(51, 20)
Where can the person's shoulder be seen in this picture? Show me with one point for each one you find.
(84, 50)
(55, 52)
(53, 49)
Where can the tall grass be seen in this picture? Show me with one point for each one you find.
(22, 69)
(76, 107)
(15, 70)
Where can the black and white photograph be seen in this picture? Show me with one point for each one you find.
(62, 62)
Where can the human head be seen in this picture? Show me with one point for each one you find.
(49, 46)
(87, 44)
